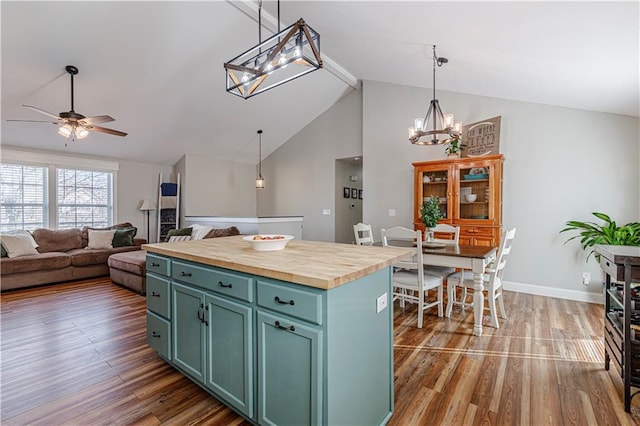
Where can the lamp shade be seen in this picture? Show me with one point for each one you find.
(146, 205)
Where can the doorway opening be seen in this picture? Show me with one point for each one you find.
(348, 198)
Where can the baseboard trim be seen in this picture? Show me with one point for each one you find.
(580, 296)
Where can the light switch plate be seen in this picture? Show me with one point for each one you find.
(392, 212)
(381, 303)
(326, 211)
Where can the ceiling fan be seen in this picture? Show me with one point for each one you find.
(74, 125)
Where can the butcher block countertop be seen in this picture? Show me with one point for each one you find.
(317, 264)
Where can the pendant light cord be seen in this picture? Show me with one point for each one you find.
(260, 154)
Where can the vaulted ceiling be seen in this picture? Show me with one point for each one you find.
(157, 67)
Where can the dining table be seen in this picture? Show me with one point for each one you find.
(474, 258)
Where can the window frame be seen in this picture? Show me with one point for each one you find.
(44, 204)
(54, 162)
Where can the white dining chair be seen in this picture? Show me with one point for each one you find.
(363, 234)
(492, 281)
(410, 283)
(449, 235)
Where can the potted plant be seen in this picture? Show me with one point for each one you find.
(609, 233)
(430, 214)
(454, 147)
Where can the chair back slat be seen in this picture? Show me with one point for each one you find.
(363, 234)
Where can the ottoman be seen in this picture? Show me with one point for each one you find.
(129, 270)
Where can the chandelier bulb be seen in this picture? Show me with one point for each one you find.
(448, 121)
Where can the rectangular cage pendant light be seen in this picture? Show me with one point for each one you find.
(292, 53)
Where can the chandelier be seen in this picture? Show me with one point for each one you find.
(289, 54)
(435, 124)
(260, 179)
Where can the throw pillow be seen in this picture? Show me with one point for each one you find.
(176, 238)
(100, 239)
(199, 231)
(178, 232)
(17, 245)
(222, 232)
(124, 237)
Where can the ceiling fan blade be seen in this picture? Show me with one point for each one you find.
(41, 111)
(57, 123)
(107, 131)
(96, 119)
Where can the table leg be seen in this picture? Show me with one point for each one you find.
(478, 303)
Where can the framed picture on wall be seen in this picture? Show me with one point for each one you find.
(354, 192)
(360, 194)
(346, 192)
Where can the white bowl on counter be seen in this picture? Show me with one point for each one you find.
(268, 242)
(470, 198)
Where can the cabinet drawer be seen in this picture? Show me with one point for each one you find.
(231, 284)
(158, 295)
(303, 303)
(476, 231)
(616, 271)
(159, 265)
(159, 334)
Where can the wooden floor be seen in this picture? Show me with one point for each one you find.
(76, 354)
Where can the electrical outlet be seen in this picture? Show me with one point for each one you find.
(381, 303)
(326, 212)
(586, 278)
(392, 212)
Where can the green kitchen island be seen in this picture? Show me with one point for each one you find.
(299, 336)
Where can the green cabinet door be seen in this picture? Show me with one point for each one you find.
(289, 371)
(188, 331)
(229, 367)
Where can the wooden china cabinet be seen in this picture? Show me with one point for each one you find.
(479, 219)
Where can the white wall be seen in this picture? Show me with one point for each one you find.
(213, 187)
(560, 164)
(136, 182)
(300, 174)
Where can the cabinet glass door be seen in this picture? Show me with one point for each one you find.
(433, 182)
(474, 194)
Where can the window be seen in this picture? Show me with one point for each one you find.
(84, 197)
(23, 197)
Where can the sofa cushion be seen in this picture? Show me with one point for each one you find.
(39, 262)
(124, 237)
(17, 245)
(57, 239)
(86, 257)
(85, 231)
(133, 262)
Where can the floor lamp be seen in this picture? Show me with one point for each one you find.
(146, 206)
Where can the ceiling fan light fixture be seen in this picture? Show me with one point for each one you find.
(81, 132)
(435, 123)
(287, 55)
(65, 130)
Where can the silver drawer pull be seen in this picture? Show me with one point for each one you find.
(280, 327)
(154, 294)
(221, 284)
(185, 274)
(154, 334)
(155, 264)
(284, 302)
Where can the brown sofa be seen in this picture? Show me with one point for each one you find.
(63, 256)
